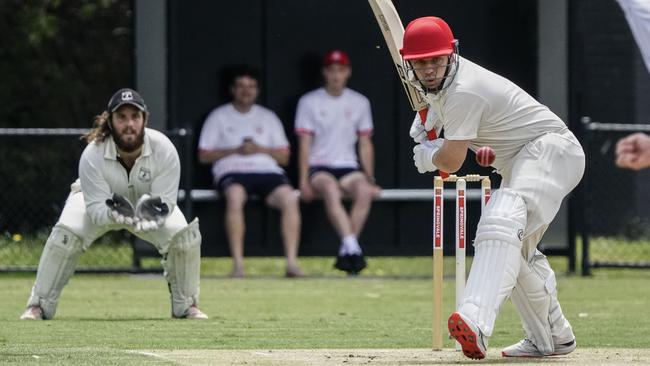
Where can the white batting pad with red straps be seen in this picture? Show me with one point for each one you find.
(497, 259)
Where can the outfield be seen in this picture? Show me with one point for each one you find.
(382, 317)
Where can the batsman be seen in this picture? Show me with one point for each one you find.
(128, 179)
(540, 162)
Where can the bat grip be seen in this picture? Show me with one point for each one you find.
(431, 135)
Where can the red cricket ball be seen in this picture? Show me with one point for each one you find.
(485, 156)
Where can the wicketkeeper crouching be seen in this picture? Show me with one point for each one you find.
(128, 179)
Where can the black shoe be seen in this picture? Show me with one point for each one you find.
(344, 263)
(358, 262)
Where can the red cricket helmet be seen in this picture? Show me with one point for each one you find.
(427, 37)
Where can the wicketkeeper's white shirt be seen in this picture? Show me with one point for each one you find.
(156, 172)
(335, 122)
(490, 110)
(226, 128)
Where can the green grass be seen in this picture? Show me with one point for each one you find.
(101, 317)
(110, 251)
(115, 251)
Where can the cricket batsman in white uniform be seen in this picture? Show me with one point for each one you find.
(540, 162)
(128, 179)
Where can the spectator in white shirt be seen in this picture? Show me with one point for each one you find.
(246, 145)
(330, 122)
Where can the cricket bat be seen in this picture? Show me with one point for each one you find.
(393, 30)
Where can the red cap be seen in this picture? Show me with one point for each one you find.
(336, 57)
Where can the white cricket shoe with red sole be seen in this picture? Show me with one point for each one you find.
(468, 335)
(526, 348)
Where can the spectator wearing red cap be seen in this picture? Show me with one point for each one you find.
(330, 122)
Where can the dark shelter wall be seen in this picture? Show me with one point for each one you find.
(609, 83)
(286, 40)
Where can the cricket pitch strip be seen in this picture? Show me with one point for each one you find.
(401, 357)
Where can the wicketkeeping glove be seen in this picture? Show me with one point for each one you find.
(150, 212)
(121, 210)
(423, 155)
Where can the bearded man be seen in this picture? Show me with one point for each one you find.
(128, 179)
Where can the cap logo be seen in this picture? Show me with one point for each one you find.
(127, 95)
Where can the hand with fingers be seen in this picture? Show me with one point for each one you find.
(633, 151)
(417, 132)
(121, 210)
(150, 212)
(423, 155)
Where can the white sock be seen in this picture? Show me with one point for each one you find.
(349, 246)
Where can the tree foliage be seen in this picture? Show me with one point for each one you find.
(61, 60)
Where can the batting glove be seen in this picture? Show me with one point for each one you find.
(151, 213)
(121, 210)
(423, 155)
(417, 131)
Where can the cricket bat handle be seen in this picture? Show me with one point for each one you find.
(431, 135)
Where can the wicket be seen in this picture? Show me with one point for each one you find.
(438, 239)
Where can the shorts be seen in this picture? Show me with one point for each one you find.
(259, 184)
(336, 172)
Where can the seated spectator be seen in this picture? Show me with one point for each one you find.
(330, 122)
(246, 144)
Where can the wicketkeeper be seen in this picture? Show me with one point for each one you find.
(540, 162)
(128, 179)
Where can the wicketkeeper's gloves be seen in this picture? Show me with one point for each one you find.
(121, 210)
(150, 213)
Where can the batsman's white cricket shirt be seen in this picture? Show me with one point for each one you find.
(226, 128)
(490, 110)
(335, 122)
(156, 172)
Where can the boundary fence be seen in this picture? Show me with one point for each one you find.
(614, 213)
(122, 252)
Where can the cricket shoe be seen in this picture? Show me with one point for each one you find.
(32, 313)
(194, 313)
(469, 336)
(344, 263)
(358, 262)
(526, 348)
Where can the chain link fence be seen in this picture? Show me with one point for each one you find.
(38, 167)
(40, 164)
(615, 213)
